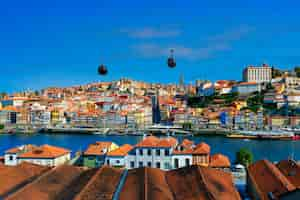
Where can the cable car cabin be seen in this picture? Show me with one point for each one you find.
(171, 62)
(102, 70)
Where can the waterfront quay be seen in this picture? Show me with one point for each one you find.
(273, 150)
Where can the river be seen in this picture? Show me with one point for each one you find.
(273, 150)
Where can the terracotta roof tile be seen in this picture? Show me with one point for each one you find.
(291, 170)
(263, 172)
(187, 144)
(202, 148)
(121, 151)
(13, 177)
(205, 183)
(219, 160)
(146, 183)
(99, 148)
(102, 185)
(50, 185)
(45, 151)
(153, 141)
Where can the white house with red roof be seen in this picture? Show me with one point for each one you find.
(42, 155)
(152, 152)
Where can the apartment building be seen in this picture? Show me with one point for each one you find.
(258, 74)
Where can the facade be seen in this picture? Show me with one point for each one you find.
(247, 87)
(258, 74)
(118, 157)
(95, 154)
(152, 152)
(45, 155)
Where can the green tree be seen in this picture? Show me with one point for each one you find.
(1, 126)
(297, 70)
(244, 157)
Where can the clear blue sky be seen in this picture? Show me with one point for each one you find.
(60, 43)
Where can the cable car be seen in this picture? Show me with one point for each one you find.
(171, 60)
(102, 70)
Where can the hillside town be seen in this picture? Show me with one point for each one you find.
(266, 99)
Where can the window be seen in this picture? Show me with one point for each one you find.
(187, 162)
(167, 152)
(117, 161)
(140, 164)
(141, 152)
(167, 165)
(149, 152)
(149, 164)
(158, 165)
(108, 162)
(131, 164)
(157, 152)
(11, 158)
(176, 163)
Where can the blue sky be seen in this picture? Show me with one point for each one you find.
(61, 43)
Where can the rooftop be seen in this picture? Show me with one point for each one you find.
(121, 151)
(45, 151)
(99, 148)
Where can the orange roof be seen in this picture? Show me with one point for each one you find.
(121, 151)
(219, 160)
(99, 148)
(247, 83)
(24, 148)
(153, 141)
(291, 170)
(263, 172)
(10, 108)
(45, 151)
(187, 143)
(202, 148)
(148, 142)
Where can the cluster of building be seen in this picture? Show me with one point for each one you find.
(162, 153)
(129, 103)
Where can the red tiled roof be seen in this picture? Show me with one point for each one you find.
(13, 176)
(205, 183)
(266, 178)
(202, 148)
(121, 151)
(153, 141)
(45, 151)
(219, 160)
(187, 143)
(291, 170)
(99, 148)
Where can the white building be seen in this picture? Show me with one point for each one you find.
(118, 157)
(258, 74)
(152, 152)
(43, 155)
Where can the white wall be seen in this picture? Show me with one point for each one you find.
(116, 161)
(47, 162)
(181, 160)
(8, 161)
(153, 158)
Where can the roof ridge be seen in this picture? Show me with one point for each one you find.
(203, 180)
(145, 184)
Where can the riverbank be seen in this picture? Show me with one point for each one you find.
(273, 150)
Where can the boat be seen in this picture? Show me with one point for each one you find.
(260, 134)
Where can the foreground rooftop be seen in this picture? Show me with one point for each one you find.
(70, 182)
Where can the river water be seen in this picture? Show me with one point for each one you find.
(273, 150)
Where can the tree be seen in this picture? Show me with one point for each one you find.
(297, 70)
(1, 127)
(244, 157)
